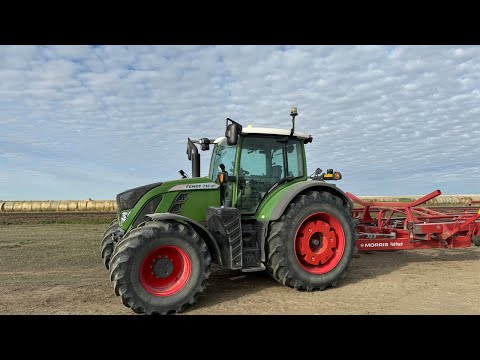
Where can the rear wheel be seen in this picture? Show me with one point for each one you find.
(160, 268)
(107, 244)
(312, 245)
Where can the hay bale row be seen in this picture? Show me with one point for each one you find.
(63, 205)
(454, 200)
(110, 205)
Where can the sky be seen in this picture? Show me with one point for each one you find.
(81, 122)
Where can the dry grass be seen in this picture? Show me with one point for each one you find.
(56, 269)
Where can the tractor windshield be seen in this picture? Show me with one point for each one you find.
(262, 165)
(222, 154)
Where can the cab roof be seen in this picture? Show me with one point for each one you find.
(268, 131)
(271, 131)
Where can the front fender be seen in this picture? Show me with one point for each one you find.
(199, 228)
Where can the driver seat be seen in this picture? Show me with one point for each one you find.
(276, 171)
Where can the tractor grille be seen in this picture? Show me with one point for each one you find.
(127, 199)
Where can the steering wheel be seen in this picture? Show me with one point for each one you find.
(244, 172)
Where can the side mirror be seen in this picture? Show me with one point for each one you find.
(232, 131)
(191, 148)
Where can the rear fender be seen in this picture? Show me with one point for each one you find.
(302, 187)
(286, 198)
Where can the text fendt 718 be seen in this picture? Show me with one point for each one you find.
(257, 210)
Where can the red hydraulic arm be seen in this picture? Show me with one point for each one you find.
(403, 226)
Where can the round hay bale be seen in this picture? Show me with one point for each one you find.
(36, 206)
(72, 206)
(90, 205)
(17, 206)
(108, 206)
(1, 206)
(45, 206)
(112, 205)
(27, 206)
(82, 205)
(98, 206)
(54, 205)
(8, 206)
(62, 206)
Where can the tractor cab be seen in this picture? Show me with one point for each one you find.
(258, 162)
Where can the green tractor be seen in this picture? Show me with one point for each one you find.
(256, 210)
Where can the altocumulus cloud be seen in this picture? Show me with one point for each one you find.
(91, 121)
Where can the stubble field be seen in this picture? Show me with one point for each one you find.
(50, 264)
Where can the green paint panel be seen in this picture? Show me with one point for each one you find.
(267, 206)
(167, 201)
(195, 207)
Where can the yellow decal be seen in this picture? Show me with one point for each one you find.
(478, 211)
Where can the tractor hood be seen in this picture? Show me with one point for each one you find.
(129, 198)
(188, 197)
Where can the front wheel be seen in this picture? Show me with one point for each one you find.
(312, 245)
(160, 268)
(107, 244)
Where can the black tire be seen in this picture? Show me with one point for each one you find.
(113, 222)
(282, 261)
(128, 259)
(107, 245)
(476, 240)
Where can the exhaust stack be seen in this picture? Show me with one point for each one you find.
(193, 155)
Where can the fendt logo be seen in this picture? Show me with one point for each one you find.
(201, 186)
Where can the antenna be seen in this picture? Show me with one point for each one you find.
(293, 113)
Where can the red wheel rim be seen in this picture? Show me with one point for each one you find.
(165, 270)
(319, 243)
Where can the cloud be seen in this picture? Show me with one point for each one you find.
(84, 121)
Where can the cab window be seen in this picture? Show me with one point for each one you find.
(222, 154)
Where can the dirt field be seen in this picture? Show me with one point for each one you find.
(55, 268)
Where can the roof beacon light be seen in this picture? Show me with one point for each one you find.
(293, 113)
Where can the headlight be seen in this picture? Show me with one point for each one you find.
(123, 216)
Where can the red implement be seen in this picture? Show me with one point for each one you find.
(403, 226)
